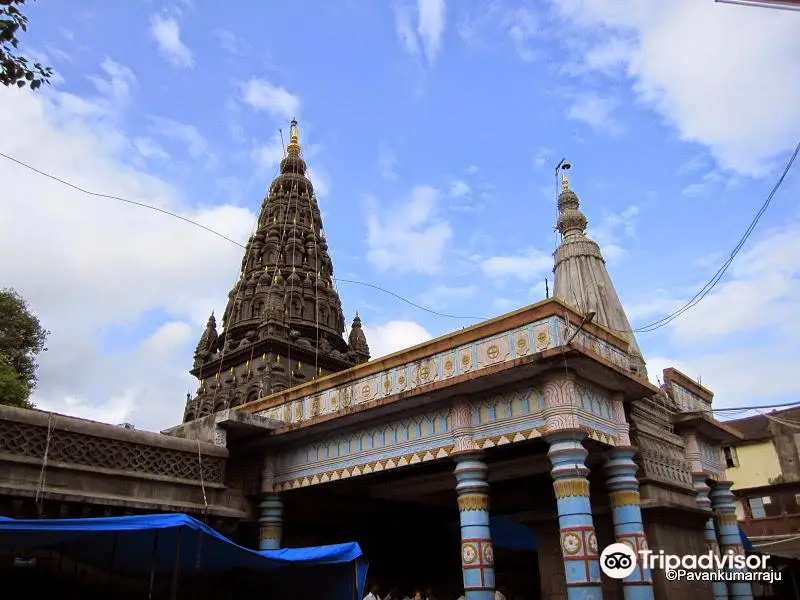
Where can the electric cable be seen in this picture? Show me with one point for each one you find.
(712, 283)
(702, 293)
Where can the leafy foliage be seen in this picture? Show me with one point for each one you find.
(21, 339)
(14, 68)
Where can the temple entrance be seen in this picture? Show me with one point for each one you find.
(407, 522)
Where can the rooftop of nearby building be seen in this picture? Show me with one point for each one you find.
(757, 428)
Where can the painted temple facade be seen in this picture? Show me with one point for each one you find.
(544, 415)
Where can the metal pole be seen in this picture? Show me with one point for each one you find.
(113, 561)
(153, 565)
(176, 566)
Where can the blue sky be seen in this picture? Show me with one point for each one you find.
(432, 130)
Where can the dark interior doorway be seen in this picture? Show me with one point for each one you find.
(407, 524)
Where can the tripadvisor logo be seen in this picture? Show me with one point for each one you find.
(618, 561)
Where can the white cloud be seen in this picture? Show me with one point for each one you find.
(274, 99)
(441, 297)
(228, 40)
(543, 155)
(321, 181)
(118, 84)
(761, 289)
(741, 337)
(186, 135)
(410, 236)
(713, 86)
(394, 336)
(96, 264)
(519, 25)
(387, 163)
(612, 230)
(738, 378)
(459, 188)
(522, 25)
(167, 33)
(269, 154)
(431, 26)
(148, 148)
(427, 36)
(528, 265)
(596, 111)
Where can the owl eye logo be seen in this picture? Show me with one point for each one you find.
(618, 561)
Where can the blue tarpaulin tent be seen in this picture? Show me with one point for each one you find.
(746, 544)
(156, 543)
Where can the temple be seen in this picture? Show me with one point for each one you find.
(283, 324)
(506, 455)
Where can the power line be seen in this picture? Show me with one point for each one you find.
(126, 200)
(760, 407)
(704, 291)
(712, 283)
(218, 234)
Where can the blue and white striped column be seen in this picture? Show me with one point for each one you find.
(700, 484)
(578, 539)
(626, 512)
(477, 552)
(730, 540)
(270, 522)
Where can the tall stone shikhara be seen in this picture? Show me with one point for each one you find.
(283, 323)
(582, 280)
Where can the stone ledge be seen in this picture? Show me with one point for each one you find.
(61, 422)
(82, 497)
(29, 460)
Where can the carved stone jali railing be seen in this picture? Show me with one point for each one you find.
(70, 460)
(69, 447)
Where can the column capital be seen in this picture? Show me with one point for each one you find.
(460, 456)
(621, 452)
(562, 435)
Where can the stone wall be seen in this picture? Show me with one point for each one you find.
(665, 533)
(64, 459)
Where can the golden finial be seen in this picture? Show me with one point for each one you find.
(278, 359)
(294, 144)
(264, 357)
(299, 366)
(564, 166)
(216, 377)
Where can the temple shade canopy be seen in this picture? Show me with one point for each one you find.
(141, 544)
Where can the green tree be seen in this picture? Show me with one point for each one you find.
(22, 338)
(15, 69)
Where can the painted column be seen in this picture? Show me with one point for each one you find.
(270, 519)
(626, 512)
(578, 540)
(270, 522)
(472, 489)
(477, 552)
(700, 484)
(730, 540)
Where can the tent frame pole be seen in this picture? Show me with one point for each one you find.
(176, 566)
(112, 561)
(153, 564)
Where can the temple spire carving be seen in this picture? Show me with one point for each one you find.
(581, 278)
(358, 341)
(283, 323)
